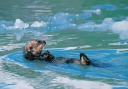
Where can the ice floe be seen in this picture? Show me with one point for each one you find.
(38, 24)
(63, 21)
(20, 24)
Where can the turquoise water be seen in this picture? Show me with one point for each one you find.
(97, 28)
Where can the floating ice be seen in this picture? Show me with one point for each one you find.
(20, 24)
(62, 21)
(83, 16)
(98, 11)
(60, 18)
(39, 24)
(92, 26)
(121, 28)
(106, 24)
(105, 6)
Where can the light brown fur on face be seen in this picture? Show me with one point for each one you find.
(34, 47)
(83, 61)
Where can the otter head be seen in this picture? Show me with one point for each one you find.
(34, 47)
(84, 60)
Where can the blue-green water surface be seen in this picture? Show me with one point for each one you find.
(96, 28)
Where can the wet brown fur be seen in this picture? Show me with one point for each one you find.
(84, 60)
(33, 49)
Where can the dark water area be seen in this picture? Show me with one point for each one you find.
(96, 28)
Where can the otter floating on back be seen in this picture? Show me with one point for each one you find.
(33, 51)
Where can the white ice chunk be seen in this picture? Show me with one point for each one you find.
(121, 28)
(60, 18)
(20, 24)
(107, 23)
(39, 24)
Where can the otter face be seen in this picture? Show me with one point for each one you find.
(34, 47)
(84, 60)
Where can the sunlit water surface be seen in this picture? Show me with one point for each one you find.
(96, 28)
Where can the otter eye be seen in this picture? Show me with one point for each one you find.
(39, 41)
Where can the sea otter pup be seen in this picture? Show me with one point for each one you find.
(33, 49)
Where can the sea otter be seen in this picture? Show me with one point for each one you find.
(33, 51)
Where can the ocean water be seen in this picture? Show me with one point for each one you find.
(97, 28)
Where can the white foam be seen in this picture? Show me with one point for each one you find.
(81, 84)
(84, 46)
(9, 81)
(70, 48)
(78, 47)
(11, 47)
(118, 43)
(16, 84)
